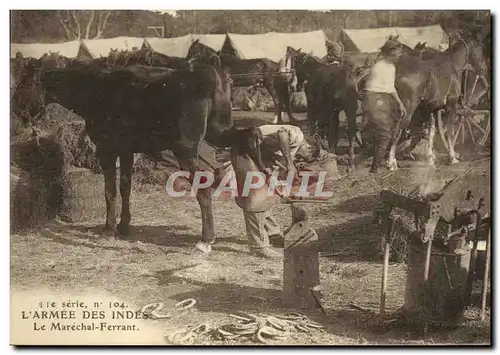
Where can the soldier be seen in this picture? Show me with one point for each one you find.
(281, 145)
(380, 99)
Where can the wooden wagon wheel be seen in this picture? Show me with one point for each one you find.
(474, 118)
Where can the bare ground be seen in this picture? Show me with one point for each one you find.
(159, 264)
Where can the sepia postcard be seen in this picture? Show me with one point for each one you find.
(250, 177)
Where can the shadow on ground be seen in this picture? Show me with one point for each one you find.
(167, 236)
(354, 240)
(359, 204)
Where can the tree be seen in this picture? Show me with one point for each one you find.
(80, 24)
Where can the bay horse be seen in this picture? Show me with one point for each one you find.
(435, 84)
(127, 113)
(330, 88)
(251, 73)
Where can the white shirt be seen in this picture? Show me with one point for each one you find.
(382, 77)
(295, 134)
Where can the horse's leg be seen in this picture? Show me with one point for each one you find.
(204, 198)
(193, 129)
(269, 85)
(350, 112)
(430, 140)
(333, 131)
(279, 105)
(401, 124)
(126, 162)
(284, 98)
(450, 127)
(108, 165)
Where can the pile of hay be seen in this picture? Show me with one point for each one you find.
(154, 169)
(82, 196)
(298, 101)
(39, 165)
(35, 182)
(249, 99)
(79, 150)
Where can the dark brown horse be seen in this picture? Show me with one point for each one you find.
(435, 84)
(126, 113)
(330, 88)
(251, 73)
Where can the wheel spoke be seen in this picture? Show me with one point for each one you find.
(466, 82)
(456, 133)
(473, 88)
(480, 95)
(486, 134)
(441, 130)
(463, 132)
(479, 127)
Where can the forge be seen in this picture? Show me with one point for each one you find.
(442, 247)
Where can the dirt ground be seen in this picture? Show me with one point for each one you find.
(158, 263)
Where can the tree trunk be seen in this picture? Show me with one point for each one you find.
(89, 24)
(101, 26)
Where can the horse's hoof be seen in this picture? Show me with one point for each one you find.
(393, 167)
(109, 232)
(431, 163)
(124, 229)
(203, 247)
(454, 161)
(350, 169)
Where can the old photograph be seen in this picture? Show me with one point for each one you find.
(250, 177)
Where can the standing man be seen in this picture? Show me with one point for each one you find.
(381, 99)
(269, 145)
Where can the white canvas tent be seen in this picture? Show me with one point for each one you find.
(37, 50)
(213, 41)
(272, 45)
(434, 36)
(371, 39)
(173, 47)
(102, 47)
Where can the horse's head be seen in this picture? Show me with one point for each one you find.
(199, 50)
(297, 57)
(392, 49)
(143, 56)
(467, 49)
(335, 50)
(420, 46)
(292, 52)
(113, 57)
(28, 98)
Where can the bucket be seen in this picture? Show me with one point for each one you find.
(442, 297)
